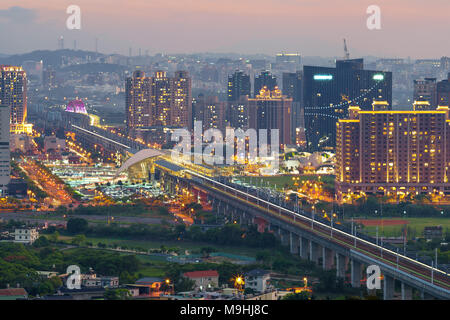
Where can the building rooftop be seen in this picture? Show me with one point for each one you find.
(257, 273)
(149, 280)
(201, 274)
(13, 292)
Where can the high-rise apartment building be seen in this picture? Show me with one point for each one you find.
(5, 158)
(293, 88)
(138, 101)
(158, 101)
(211, 112)
(161, 99)
(238, 85)
(393, 153)
(13, 92)
(443, 92)
(328, 92)
(181, 100)
(265, 79)
(236, 114)
(426, 90)
(271, 110)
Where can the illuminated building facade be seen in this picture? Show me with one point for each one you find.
(288, 58)
(76, 106)
(158, 101)
(237, 113)
(393, 153)
(328, 92)
(265, 79)
(443, 92)
(271, 110)
(161, 97)
(211, 112)
(181, 100)
(5, 169)
(238, 85)
(13, 92)
(138, 101)
(425, 90)
(293, 88)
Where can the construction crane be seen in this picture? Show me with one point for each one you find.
(347, 54)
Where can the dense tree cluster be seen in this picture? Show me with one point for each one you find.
(19, 265)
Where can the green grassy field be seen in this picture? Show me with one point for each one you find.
(184, 245)
(415, 227)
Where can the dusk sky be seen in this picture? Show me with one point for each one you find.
(415, 28)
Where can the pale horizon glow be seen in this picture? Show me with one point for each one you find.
(409, 28)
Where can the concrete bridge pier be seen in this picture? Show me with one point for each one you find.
(314, 252)
(406, 292)
(284, 237)
(341, 265)
(355, 273)
(294, 243)
(304, 247)
(388, 287)
(327, 259)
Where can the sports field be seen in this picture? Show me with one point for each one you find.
(392, 227)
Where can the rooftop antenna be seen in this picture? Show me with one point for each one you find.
(347, 54)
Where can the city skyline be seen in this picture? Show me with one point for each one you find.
(206, 26)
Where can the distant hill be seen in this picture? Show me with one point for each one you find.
(94, 68)
(50, 58)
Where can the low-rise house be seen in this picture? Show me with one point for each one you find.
(26, 235)
(109, 282)
(434, 232)
(149, 287)
(91, 280)
(13, 294)
(257, 280)
(204, 280)
(47, 274)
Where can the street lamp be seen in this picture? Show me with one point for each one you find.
(169, 284)
(332, 217)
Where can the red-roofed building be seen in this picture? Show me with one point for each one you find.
(13, 294)
(204, 280)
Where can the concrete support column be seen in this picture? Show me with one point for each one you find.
(284, 237)
(293, 243)
(341, 265)
(314, 252)
(406, 292)
(355, 273)
(327, 259)
(304, 247)
(388, 287)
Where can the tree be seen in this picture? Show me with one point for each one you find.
(41, 242)
(77, 225)
(126, 278)
(206, 251)
(297, 296)
(79, 239)
(117, 294)
(184, 284)
(46, 287)
(54, 236)
(56, 282)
